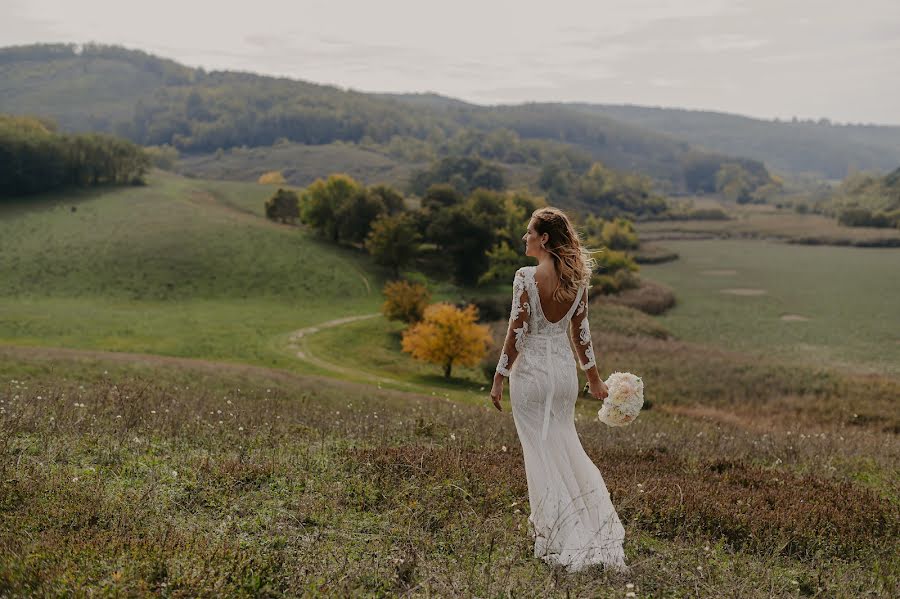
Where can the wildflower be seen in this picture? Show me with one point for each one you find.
(452, 436)
(503, 448)
(629, 585)
(630, 594)
(240, 428)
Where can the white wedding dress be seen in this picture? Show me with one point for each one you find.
(573, 521)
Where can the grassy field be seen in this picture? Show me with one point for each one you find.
(766, 461)
(814, 304)
(196, 481)
(180, 267)
(765, 221)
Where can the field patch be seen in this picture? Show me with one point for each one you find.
(849, 296)
(743, 291)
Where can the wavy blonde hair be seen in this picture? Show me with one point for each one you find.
(574, 262)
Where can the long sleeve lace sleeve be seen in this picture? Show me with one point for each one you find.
(580, 331)
(519, 316)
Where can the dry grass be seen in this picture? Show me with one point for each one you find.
(199, 482)
(650, 297)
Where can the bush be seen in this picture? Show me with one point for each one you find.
(861, 217)
(271, 178)
(649, 297)
(405, 301)
(284, 206)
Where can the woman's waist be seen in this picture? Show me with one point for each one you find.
(546, 343)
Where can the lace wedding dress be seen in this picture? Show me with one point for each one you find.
(573, 521)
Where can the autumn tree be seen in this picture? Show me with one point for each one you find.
(405, 301)
(271, 178)
(446, 336)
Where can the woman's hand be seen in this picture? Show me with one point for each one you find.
(596, 386)
(497, 391)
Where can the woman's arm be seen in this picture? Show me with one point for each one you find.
(519, 316)
(580, 332)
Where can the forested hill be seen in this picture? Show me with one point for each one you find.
(819, 147)
(154, 101)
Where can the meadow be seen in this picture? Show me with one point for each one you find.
(203, 479)
(834, 306)
(160, 435)
(180, 267)
(768, 222)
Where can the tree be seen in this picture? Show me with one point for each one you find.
(393, 241)
(448, 335)
(356, 214)
(465, 237)
(733, 182)
(323, 200)
(283, 206)
(405, 301)
(271, 178)
(441, 195)
(504, 262)
(390, 197)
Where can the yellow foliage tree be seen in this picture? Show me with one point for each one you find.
(448, 336)
(405, 301)
(271, 178)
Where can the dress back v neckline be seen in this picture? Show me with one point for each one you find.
(540, 307)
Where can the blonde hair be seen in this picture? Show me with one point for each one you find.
(573, 261)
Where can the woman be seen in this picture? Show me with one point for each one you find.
(572, 519)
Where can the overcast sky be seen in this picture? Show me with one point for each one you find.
(765, 58)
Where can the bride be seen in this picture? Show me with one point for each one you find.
(573, 521)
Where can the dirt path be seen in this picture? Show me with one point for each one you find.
(297, 345)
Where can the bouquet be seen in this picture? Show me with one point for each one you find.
(626, 396)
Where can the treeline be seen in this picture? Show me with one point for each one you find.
(583, 185)
(470, 232)
(867, 200)
(477, 233)
(35, 158)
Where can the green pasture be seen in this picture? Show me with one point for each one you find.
(179, 267)
(826, 305)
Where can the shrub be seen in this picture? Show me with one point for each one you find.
(271, 178)
(405, 301)
(284, 206)
(648, 297)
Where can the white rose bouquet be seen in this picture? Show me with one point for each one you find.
(625, 399)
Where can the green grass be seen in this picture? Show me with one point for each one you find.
(849, 296)
(179, 267)
(765, 222)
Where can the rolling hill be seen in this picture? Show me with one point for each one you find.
(820, 148)
(156, 101)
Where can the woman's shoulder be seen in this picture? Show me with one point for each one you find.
(525, 272)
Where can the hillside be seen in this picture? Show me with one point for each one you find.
(179, 267)
(822, 148)
(156, 101)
